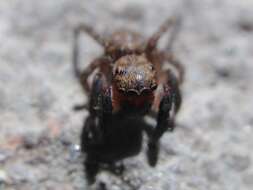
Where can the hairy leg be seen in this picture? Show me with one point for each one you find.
(100, 63)
(77, 32)
(92, 136)
(153, 40)
(83, 75)
(104, 66)
(163, 123)
(172, 60)
(91, 32)
(168, 55)
(174, 33)
(168, 107)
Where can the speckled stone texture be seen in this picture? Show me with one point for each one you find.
(211, 149)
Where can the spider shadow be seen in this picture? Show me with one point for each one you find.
(122, 138)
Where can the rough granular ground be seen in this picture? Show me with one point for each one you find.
(211, 149)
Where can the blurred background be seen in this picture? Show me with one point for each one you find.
(209, 150)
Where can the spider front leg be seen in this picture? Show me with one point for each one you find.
(93, 131)
(163, 123)
(168, 108)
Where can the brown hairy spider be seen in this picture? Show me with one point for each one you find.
(129, 84)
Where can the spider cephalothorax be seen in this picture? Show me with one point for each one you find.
(133, 83)
(130, 81)
(134, 74)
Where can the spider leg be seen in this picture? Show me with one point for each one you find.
(97, 63)
(169, 57)
(92, 136)
(92, 131)
(91, 168)
(91, 32)
(153, 40)
(163, 123)
(168, 108)
(172, 60)
(174, 33)
(83, 75)
(99, 105)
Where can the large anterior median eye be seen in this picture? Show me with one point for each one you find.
(131, 93)
(128, 93)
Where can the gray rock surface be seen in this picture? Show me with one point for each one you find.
(211, 147)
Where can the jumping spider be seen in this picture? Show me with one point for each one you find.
(130, 83)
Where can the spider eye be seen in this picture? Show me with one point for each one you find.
(145, 92)
(131, 93)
